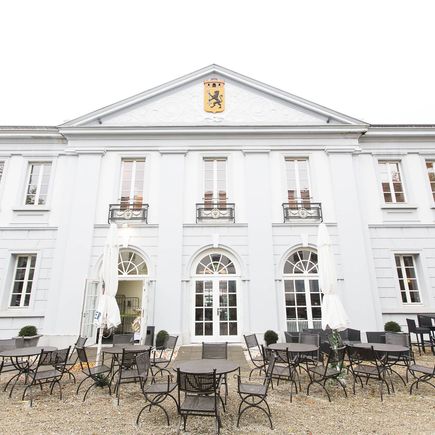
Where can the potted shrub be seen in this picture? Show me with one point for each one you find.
(392, 327)
(30, 335)
(270, 337)
(161, 339)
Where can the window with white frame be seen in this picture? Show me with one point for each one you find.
(37, 183)
(391, 179)
(298, 180)
(24, 272)
(132, 182)
(408, 283)
(431, 174)
(215, 181)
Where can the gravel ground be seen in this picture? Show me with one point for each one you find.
(399, 413)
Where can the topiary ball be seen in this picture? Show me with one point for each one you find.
(392, 327)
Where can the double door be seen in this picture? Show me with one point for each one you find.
(216, 310)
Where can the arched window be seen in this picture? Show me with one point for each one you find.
(131, 263)
(301, 290)
(215, 264)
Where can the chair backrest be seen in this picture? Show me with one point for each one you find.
(214, 350)
(353, 334)
(7, 344)
(282, 356)
(80, 341)
(47, 358)
(362, 354)
(143, 364)
(412, 327)
(61, 358)
(424, 321)
(122, 338)
(171, 342)
(308, 338)
(291, 337)
(375, 336)
(251, 341)
(197, 383)
(269, 370)
(128, 359)
(399, 338)
(83, 358)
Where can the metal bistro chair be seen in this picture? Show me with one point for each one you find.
(419, 331)
(310, 357)
(286, 369)
(351, 335)
(331, 370)
(217, 351)
(254, 395)
(100, 375)
(155, 392)
(404, 359)
(364, 362)
(57, 361)
(255, 353)
(426, 374)
(375, 337)
(72, 361)
(159, 360)
(127, 370)
(201, 396)
(426, 322)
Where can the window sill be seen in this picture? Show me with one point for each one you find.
(19, 312)
(399, 208)
(31, 209)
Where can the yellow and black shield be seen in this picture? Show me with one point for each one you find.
(214, 95)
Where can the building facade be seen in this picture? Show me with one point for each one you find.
(218, 184)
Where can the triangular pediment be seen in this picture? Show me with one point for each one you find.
(181, 103)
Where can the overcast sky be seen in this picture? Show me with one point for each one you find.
(372, 60)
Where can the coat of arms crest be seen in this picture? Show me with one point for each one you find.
(214, 95)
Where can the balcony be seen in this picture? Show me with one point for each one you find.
(128, 213)
(215, 212)
(310, 212)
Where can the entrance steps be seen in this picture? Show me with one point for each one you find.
(235, 353)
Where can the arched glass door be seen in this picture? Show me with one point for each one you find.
(301, 291)
(216, 313)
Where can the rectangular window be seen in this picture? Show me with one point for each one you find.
(405, 267)
(431, 175)
(132, 183)
(298, 181)
(215, 182)
(38, 181)
(23, 280)
(391, 180)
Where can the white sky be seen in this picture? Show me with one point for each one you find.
(372, 59)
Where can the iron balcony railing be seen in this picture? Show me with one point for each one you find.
(215, 212)
(128, 212)
(302, 211)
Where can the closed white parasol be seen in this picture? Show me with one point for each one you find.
(107, 314)
(333, 313)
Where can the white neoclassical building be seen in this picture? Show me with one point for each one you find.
(218, 183)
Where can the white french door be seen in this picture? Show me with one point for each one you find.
(90, 298)
(216, 310)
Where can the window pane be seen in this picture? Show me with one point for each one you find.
(23, 280)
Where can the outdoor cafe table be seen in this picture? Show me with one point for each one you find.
(380, 347)
(222, 366)
(22, 360)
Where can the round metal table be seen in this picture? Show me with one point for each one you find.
(382, 347)
(222, 366)
(118, 349)
(23, 359)
(22, 352)
(294, 347)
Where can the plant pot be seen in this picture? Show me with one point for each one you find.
(31, 341)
